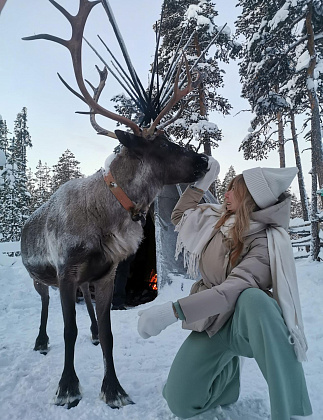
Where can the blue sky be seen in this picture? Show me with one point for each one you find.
(28, 78)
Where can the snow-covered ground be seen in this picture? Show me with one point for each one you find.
(28, 380)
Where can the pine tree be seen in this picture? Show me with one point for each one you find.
(308, 55)
(296, 207)
(127, 108)
(43, 183)
(3, 136)
(3, 144)
(39, 185)
(22, 140)
(222, 187)
(189, 26)
(67, 168)
(15, 197)
(193, 23)
(31, 188)
(8, 205)
(272, 82)
(263, 67)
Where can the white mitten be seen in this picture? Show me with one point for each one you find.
(155, 319)
(211, 175)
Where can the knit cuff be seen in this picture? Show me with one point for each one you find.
(199, 190)
(179, 311)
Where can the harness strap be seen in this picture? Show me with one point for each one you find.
(124, 200)
(118, 192)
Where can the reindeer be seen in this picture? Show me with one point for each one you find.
(91, 224)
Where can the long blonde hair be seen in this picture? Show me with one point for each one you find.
(242, 216)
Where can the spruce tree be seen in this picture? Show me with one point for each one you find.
(67, 168)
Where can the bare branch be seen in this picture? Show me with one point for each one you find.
(242, 110)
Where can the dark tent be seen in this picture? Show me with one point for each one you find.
(156, 252)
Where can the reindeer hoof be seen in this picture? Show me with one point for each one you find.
(41, 345)
(70, 403)
(68, 393)
(95, 340)
(117, 402)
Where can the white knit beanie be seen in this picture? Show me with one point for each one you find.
(267, 184)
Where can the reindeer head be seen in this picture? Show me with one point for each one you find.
(170, 163)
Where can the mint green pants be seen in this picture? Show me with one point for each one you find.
(205, 371)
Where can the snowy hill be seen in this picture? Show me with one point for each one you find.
(28, 380)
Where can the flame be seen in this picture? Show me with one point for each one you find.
(153, 280)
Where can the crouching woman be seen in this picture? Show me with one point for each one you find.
(242, 252)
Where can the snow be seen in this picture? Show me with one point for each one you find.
(225, 29)
(108, 162)
(28, 380)
(203, 127)
(297, 221)
(2, 158)
(303, 61)
(194, 12)
(280, 16)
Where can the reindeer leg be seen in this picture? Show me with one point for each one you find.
(68, 391)
(111, 392)
(41, 343)
(85, 287)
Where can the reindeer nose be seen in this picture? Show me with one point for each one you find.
(204, 161)
(205, 157)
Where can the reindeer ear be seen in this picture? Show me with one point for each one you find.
(131, 141)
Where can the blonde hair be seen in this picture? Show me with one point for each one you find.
(242, 216)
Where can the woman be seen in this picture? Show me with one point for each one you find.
(242, 250)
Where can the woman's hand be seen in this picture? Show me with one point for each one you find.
(211, 175)
(155, 319)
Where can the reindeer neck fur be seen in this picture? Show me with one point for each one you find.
(138, 178)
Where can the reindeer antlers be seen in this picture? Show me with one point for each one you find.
(177, 95)
(74, 45)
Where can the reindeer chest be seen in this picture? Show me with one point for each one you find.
(121, 243)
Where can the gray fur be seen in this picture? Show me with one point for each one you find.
(81, 234)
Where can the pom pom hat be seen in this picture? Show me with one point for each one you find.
(267, 184)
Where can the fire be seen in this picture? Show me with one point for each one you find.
(153, 280)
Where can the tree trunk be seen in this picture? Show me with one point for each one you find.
(300, 176)
(315, 227)
(202, 107)
(203, 112)
(316, 135)
(281, 141)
